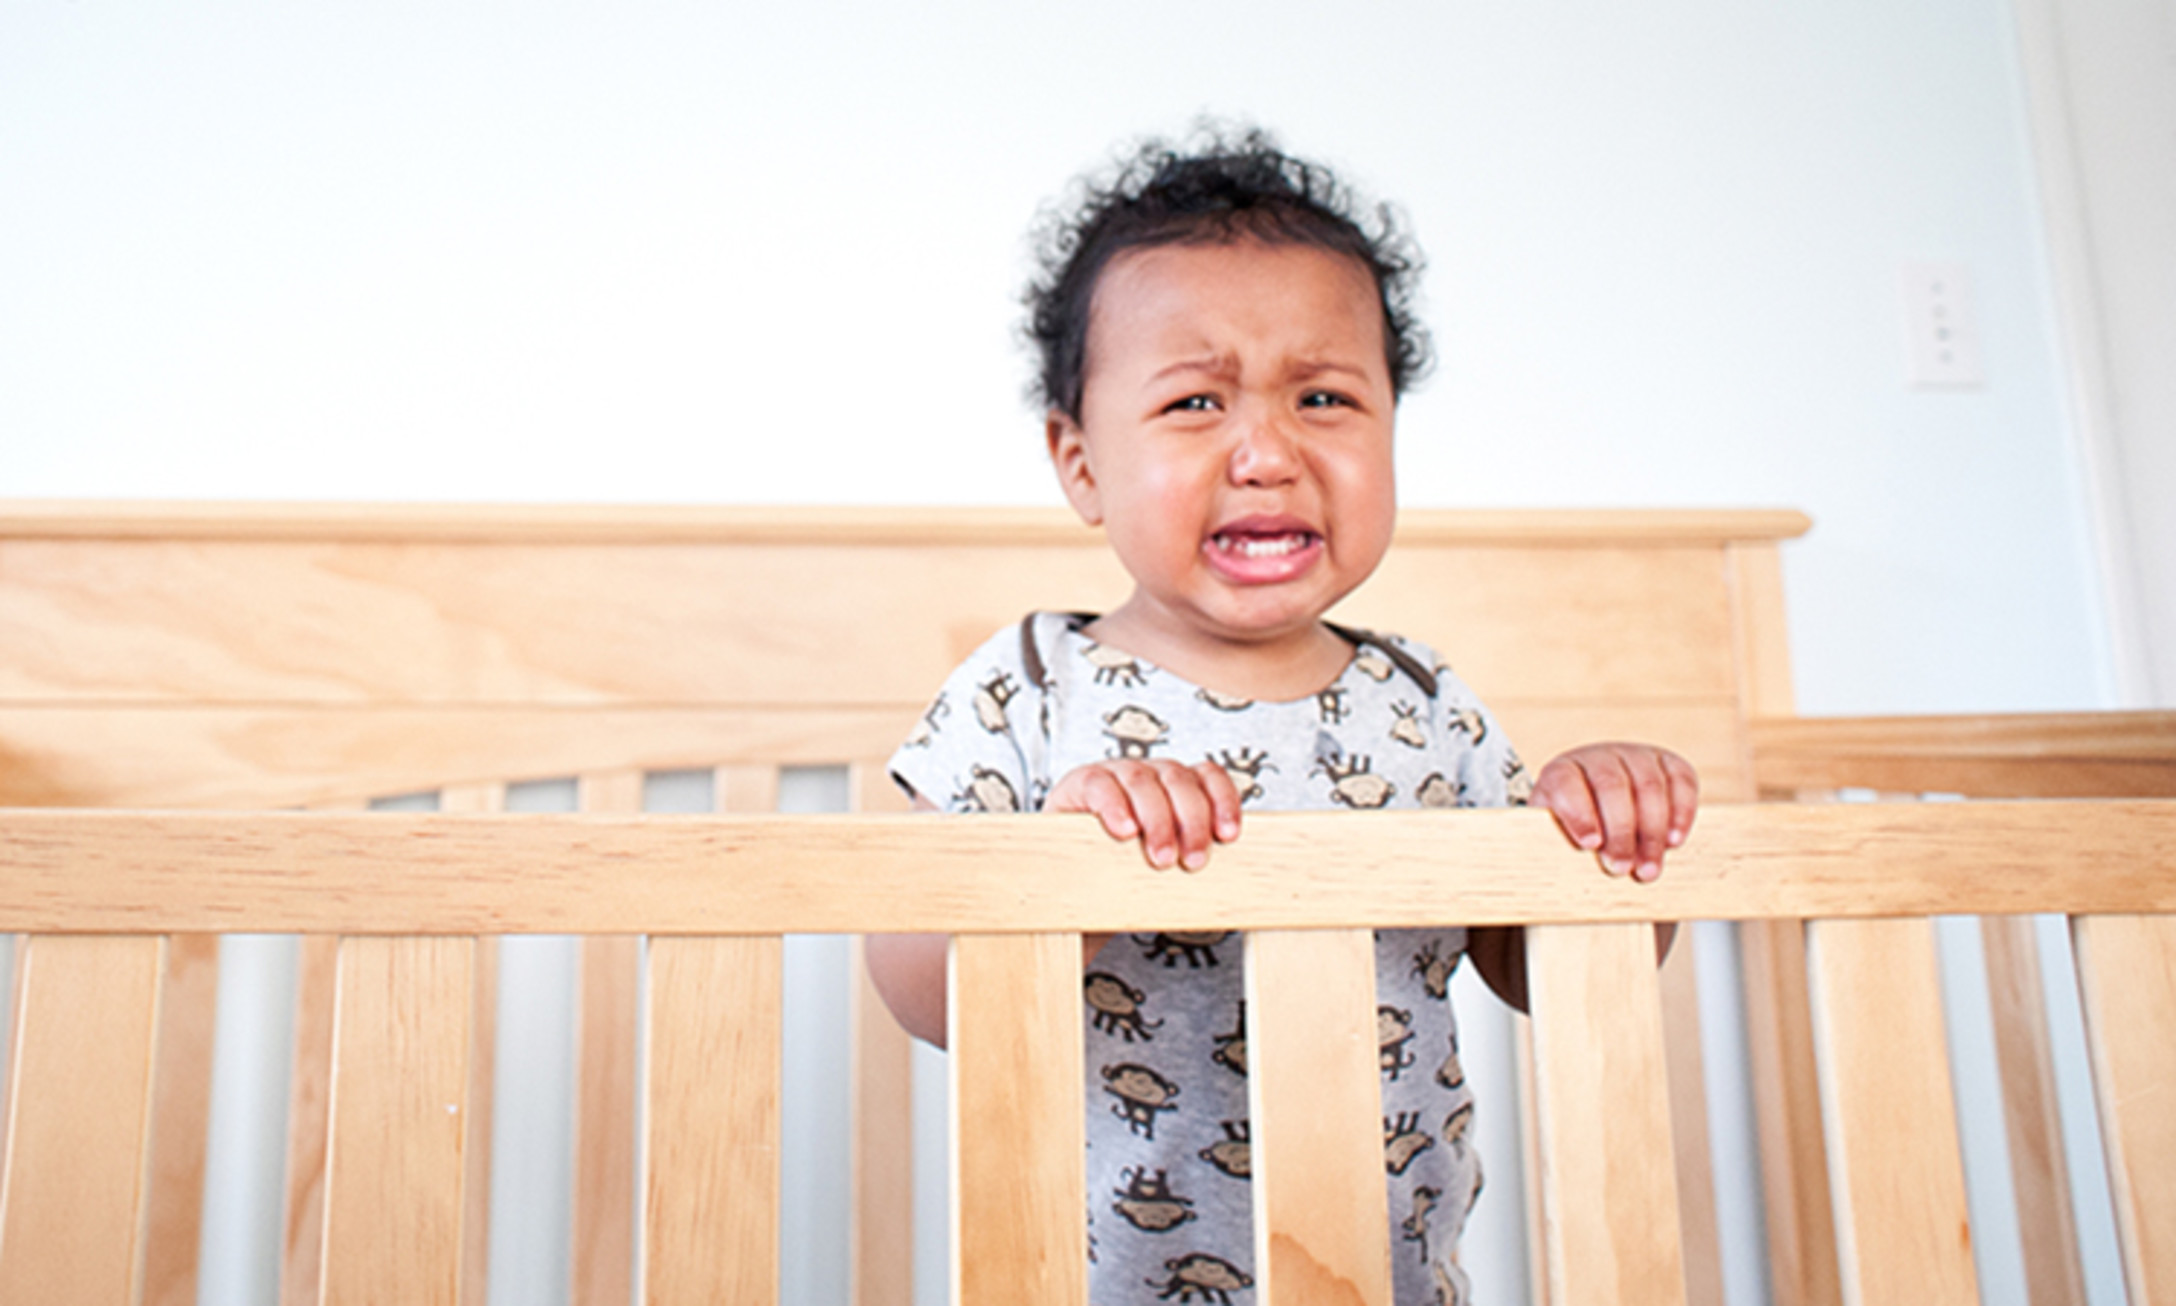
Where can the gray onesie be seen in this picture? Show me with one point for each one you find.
(1169, 1216)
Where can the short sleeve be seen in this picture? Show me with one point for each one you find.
(1490, 772)
(966, 754)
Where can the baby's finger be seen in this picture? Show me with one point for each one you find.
(1152, 810)
(1617, 807)
(1193, 815)
(1224, 800)
(1651, 795)
(1095, 790)
(1684, 796)
(1563, 790)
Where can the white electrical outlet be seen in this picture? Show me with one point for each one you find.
(1942, 336)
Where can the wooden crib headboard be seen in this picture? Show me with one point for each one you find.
(254, 656)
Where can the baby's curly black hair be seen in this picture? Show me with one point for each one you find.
(1228, 184)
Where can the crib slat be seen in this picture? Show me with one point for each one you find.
(180, 1118)
(1315, 1105)
(395, 1164)
(484, 796)
(1903, 1234)
(2127, 976)
(1702, 1240)
(1801, 1222)
(883, 1184)
(883, 1078)
(309, 1110)
(72, 1227)
(2047, 1228)
(601, 1256)
(1602, 1096)
(711, 1185)
(309, 1120)
(1018, 1136)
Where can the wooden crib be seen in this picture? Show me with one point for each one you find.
(194, 700)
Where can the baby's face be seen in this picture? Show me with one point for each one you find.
(1235, 434)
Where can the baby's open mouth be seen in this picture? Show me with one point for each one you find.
(1273, 545)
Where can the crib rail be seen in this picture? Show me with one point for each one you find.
(99, 891)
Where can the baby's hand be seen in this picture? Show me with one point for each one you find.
(1176, 810)
(1628, 803)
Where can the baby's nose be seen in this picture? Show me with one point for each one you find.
(1266, 453)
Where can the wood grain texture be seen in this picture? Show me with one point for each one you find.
(1800, 1217)
(1896, 1173)
(309, 1120)
(2127, 979)
(296, 871)
(180, 1118)
(2075, 755)
(484, 796)
(72, 1206)
(1019, 1141)
(601, 1260)
(883, 1148)
(1609, 1172)
(711, 1179)
(1314, 1102)
(1689, 1125)
(2031, 1113)
(591, 523)
(393, 1183)
(883, 1105)
(601, 1254)
(254, 756)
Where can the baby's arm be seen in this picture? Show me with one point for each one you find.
(1176, 811)
(1626, 803)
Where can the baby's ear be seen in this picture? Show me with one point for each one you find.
(1069, 457)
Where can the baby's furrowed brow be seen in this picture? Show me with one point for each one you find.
(1221, 366)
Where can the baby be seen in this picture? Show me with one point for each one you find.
(1224, 338)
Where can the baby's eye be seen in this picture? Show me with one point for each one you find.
(1325, 399)
(1193, 404)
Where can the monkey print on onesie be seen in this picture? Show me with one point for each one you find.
(1169, 1210)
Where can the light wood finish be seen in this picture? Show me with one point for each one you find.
(1800, 1220)
(71, 1211)
(395, 1163)
(181, 1104)
(1896, 1173)
(174, 656)
(1019, 1167)
(1689, 1125)
(883, 1106)
(309, 1109)
(747, 789)
(711, 1180)
(487, 796)
(1314, 1102)
(1602, 1098)
(2086, 754)
(565, 524)
(289, 756)
(883, 1124)
(1786, 1096)
(2127, 978)
(601, 1260)
(382, 872)
(309, 651)
(309, 1119)
(2032, 1123)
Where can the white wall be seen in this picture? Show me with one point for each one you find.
(2103, 80)
(578, 251)
(642, 252)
